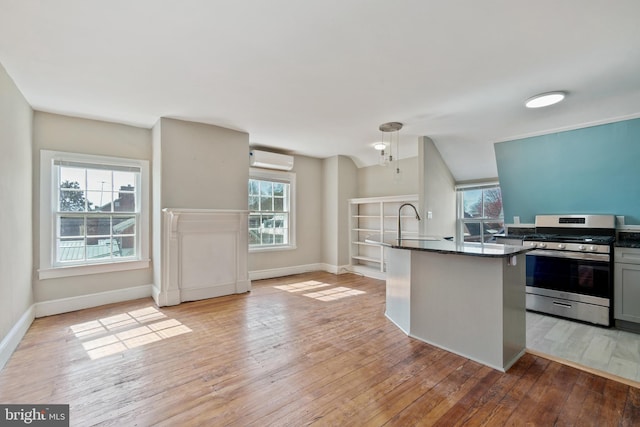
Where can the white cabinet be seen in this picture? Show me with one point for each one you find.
(627, 284)
(377, 215)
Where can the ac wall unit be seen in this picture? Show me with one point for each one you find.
(267, 160)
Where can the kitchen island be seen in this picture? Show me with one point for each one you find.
(465, 298)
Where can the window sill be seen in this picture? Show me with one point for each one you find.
(272, 248)
(82, 270)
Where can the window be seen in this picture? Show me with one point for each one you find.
(480, 214)
(271, 210)
(93, 213)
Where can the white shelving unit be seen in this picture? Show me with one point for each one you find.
(377, 215)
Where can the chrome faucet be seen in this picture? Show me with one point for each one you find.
(399, 211)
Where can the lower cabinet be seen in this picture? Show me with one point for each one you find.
(627, 285)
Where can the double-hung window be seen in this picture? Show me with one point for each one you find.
(271, 210)
(93, 213)
(480, 214)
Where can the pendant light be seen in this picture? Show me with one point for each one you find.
(392, 129)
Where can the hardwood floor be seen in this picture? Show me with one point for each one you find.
(312, 349)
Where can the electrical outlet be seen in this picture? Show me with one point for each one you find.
(516, 220)
(429, 215)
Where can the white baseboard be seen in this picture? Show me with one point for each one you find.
(298, 269)
(65, 305)
(337, 269)
(12, 339)
(284, 271)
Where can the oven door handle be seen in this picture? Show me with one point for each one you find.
(570, 255)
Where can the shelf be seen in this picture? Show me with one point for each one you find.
(366, 258)
(365, 243)
(373, 215)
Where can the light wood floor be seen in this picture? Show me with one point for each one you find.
(307, 349)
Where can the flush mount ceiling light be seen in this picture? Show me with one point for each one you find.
(545, 99)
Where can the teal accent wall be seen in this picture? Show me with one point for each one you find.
(594, 170)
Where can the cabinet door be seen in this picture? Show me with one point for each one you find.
(627, 292)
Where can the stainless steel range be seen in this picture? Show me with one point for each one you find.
(570, 274)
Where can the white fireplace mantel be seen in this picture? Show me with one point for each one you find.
(204, 255)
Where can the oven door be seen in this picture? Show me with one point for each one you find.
(577, 272)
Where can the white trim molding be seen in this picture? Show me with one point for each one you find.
(11, 341)
(50, 268)
(65, 305)
(204, 255)
(297, 269)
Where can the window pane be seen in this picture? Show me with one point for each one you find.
(267, 239)
(471, 231)
(124, 180)
(98, 226)
(70, 226)
(72, 175)
(99, 201)
(254, 237)
(71, 200)
(254, 221)
(492, 201)
(254, 203)
(266, 188)
(472, 200)
(490, 229)
(278, 204)
(125, 246)
(254, 187)
(99, 179)
(278, 189)
(124, 201)
(266, 204)
(70, 250)
(99, 248)
(125, 225)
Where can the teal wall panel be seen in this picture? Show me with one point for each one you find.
(593, 170)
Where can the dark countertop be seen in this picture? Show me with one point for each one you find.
(628, 239)
(432, 244)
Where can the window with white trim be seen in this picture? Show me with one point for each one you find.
(480, 213)
(93, 213)
(271, 210)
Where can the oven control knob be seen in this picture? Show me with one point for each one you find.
(561, 246)
(592, 248)
(542, 245)
(582, 247)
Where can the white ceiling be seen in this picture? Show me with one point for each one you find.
(317, 77)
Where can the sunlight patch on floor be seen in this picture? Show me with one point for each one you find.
(331, 294)
(126, 331)
(334, 294)
(302, 286)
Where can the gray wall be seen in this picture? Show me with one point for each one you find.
(375, 181)
(340, 178)
(16, 244)
(203, 166)
(437, 191)
(309, 219)
(426, 175)
(72, 134)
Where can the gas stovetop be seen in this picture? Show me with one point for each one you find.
(564, 238)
